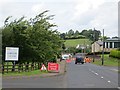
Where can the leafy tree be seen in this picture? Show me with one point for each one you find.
(63, 46)
(70, 33)
(46, 41)
(105, 37)
(76, 33)
(36, 39)
(91, 34)
(63, 35)
(0, 45)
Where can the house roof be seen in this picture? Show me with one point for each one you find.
(112, 40)
(99, 42)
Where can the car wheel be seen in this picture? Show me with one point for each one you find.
(82, 62)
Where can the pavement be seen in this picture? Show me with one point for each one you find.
(62, 70)
(49, 80)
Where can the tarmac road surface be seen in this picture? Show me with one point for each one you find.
(77, 76)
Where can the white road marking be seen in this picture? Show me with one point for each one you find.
(102, 77)
(96, 73)
(114, 70)
(92, 71)
(118, 88)
(109, 81)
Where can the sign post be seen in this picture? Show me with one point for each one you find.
(53, 67)
(103, 49)
(11, 54)
(43, 68)
(68, 60)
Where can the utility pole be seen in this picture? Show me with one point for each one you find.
(94, 46)
(84, 47)
(103, 49)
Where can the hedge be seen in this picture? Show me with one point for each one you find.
(97, 53)
(115, 53)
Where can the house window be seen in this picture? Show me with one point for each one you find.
(119, 44)
(115, 44)
(106, 44)
(110, 44)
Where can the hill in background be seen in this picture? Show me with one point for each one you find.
(75, 42)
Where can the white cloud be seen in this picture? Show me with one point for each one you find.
(83, 6)
(107, 19)
(38, 8)
(69, 14)
(97, 13)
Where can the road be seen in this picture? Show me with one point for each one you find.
(77, 76)
(91, 76)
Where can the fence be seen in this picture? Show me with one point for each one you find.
(8, 67)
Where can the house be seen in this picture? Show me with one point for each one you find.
(109, 44)
(97, 46)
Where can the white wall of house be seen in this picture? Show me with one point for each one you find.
(96, 47)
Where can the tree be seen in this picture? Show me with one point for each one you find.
(92, 34)
(70, 33)
(105, 37)
(36, 39)
(63, 35)
(46, 41)
(0, 44)
(63, 46)
(76, 33)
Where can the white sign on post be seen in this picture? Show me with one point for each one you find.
(11, 54)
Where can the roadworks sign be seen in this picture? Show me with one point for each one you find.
(68, 60)
(43, 68)
(53, 67)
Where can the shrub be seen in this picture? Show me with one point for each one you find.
(97, 53)
(115, 53)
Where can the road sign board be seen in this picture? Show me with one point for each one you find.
(11, 54)
(43, 67)
(53, 67)
(68, 60)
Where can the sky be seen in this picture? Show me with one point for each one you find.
(69, 14)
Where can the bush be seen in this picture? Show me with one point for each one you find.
(115, 53)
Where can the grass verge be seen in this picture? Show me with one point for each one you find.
(108, 61)
(35, 72)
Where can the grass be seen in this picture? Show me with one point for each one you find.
(10, 65)
(108, 61)
(30, 73)
(35, 72)
(75, 42)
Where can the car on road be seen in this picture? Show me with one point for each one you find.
(79, 60)
(65, 56)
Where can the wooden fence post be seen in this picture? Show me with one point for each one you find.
(19, 67)
(3, 68)
(22, 67)
(7, 66)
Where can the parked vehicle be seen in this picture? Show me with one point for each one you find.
(65, 56)
(79, 60)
